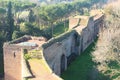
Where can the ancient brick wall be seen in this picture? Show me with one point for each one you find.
(12, 61)
(53, 55)
(73, 44)
(57, 54)
(87, 34)
(55, 51)
(90, 32)
(98, 25)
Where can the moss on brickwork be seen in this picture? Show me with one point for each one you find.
(36, 54)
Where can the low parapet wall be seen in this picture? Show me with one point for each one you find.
(59, 38)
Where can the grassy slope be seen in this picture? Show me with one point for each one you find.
(80, 68)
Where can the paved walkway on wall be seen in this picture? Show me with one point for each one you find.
(41, 71)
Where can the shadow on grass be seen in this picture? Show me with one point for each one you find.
(83, 68)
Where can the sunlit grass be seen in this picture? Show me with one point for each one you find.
(80, 68)
(42, 63)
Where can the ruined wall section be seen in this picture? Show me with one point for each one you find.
(90, 32)
(12, 61)
(72, 44)
(52, 55)
(87, 34)
(98, 25)
(56, 50)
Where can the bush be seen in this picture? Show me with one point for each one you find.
(107, 48)
(16, 34)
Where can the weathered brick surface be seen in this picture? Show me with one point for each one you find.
(54, 52)
(12, 63)
(73, 22)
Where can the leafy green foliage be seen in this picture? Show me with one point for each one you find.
(2, 11)
(33, 54)
(10, 22)
(107, 49)
(60, 28)
(2, 39)
(16, 34)
(31, 16)
(27, 56)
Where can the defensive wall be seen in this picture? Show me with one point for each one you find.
(57, 53)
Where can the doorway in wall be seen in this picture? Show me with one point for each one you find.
(75, 44)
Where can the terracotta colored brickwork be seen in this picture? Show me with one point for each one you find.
(12, 62)
(13, 56)
(73, 22)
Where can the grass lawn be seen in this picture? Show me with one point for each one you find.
(81, 67)
(59, 29)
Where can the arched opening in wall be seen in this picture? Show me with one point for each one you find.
(75, 44)
(74, 49)
(76, 40)
(62, 63)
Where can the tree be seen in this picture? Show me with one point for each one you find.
(2, 11)
(31, 16)
(107, 51)
(2, 15)
(2, 39)
(26, 28)
(10, 22)
(16, 34)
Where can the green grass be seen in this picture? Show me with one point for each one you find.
(81, 67)
(59, 29)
